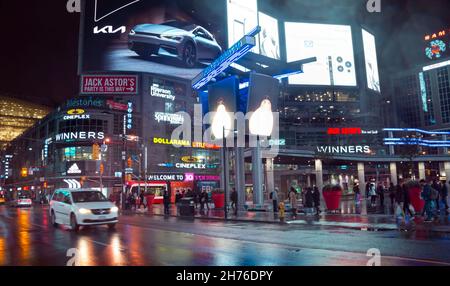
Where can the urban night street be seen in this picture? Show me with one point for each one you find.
(224, 138)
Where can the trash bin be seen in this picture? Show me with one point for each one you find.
(186, 207)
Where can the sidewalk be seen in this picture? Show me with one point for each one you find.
(371, 222)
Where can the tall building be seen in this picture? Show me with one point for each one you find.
(16, 116)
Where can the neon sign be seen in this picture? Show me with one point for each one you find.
(343, 149)
(169, 117)
(157, 91)
(436, 49)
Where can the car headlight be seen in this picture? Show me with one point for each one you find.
(132, 32)
(114, 209)
(84, 211)
(172, 37)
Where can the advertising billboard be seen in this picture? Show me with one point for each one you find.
(332, 45)
(370, 52)
(173, 37)
(437, 44)
(242, 18)
(269, 39)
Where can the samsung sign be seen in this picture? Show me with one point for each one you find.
(71, 136)
(343, 149)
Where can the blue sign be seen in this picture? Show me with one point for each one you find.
(230, 56)
(130, 116)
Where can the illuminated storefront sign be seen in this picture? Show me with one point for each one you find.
(192, 159)
(343, 149)
(277, 142)
(166, 177)
(109, 84)
(74, 114)
(74, 169)
(184, 143)
(80, 136)
(206, 178)
(350, 131)
(130, 115)
(164, 141)
(86, 102)
(196, 166)
(169, 117)
(437, 35)
(158, 91)
(437, 44)
(116, 105)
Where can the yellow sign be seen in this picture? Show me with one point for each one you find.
(75, 112)
(191, 159)
(164, 141)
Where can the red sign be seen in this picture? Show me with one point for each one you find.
(344, 131)
(109, 84)
(116, 105)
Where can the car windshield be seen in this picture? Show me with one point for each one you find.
(88, 197)
(180, 25)
(23, 197)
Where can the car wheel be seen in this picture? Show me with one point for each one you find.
(112, 226)
(53, 219)
(189, 55)
(73, 223)
(143, 53)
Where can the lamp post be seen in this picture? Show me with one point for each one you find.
(225, 182)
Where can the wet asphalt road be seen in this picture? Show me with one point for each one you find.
(27, 238)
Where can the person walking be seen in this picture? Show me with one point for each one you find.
(406, 200)
(274, 198)
(392, 195)
(316, 199)
(203, 199)
(142, 200)
(166, 201)
(309, 200)
(234, 200)
(444, 196)
(438, 187)
(293, 201)
(380, 193)
(372, 195)
(429, 196)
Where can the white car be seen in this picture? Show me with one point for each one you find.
(82, 207)
(22, 201)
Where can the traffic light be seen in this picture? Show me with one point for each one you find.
(129, 162)
(24, 172)
(102, 169)
(45, 185)
(129, 178)
(95, 152)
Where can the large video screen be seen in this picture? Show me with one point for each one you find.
(269, 38)
(332, 45)
(370, 52)
(178, 38)
(242, 18)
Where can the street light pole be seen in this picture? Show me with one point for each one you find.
(225, 183)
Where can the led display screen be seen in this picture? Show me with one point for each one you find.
(370, 52)
(269, 39)
(332, 46)
(242, 18)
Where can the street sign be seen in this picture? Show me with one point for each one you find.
(109, 84)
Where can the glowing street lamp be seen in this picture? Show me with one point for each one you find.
(261, 121)
(222, 122)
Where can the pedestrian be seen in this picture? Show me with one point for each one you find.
(203, 199)
(234, 200)
(316, 198)
(166, 201)
(437, 186)
(444, 196)
(380, 193)
(293, 201)
(142, 200)
(372, 195)
(406, 200)
(274, 198)
(208, 198)
(177, 197)
(392, 195)
(309, 200)
(429, 196)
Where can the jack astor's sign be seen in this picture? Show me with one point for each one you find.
(343, 149)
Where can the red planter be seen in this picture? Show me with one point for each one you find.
(415, 199)
(150, 200)
(332, 200)
(219, 200)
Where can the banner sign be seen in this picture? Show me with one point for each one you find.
(109, 84)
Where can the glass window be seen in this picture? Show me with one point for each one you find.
(88, 196)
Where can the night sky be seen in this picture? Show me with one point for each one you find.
(39, 39)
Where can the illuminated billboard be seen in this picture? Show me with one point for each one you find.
(370, 52)
(175, 37)
(332, 46)
(269, 39)
(242, 18)
(437, 44)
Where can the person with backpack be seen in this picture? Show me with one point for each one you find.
(274, 198)
(316, 198)
(429, 195)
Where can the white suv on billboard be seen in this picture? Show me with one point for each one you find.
(82, 207)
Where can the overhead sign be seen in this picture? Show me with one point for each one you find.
(109, 84)
(351, 131)
(74, 114)
(166, 177)
(116, 105)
